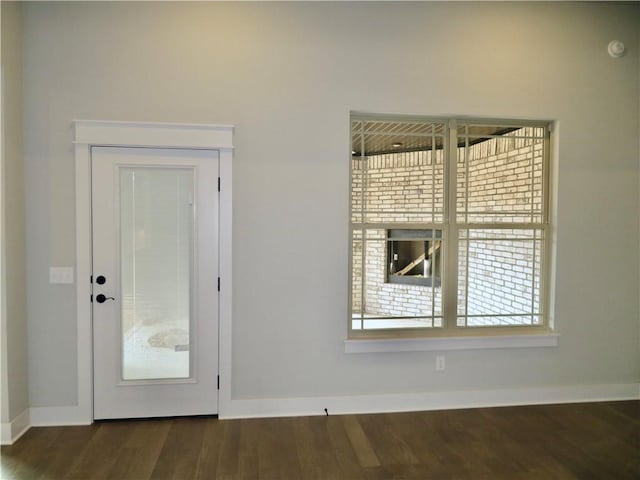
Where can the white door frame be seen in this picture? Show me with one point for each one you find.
(90, 133)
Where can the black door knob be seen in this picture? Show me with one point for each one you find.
(100, 280)
(100, 298)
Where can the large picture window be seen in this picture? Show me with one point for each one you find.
(449, 226)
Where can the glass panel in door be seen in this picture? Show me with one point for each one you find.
(156, 268)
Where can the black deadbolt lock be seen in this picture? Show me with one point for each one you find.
(100, 280)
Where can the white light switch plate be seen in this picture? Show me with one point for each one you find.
(61, 275)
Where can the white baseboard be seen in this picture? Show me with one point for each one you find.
(339, 405)
(12, 431)
(58, 416)
(288, 407)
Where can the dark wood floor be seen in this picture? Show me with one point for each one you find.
(580, 441)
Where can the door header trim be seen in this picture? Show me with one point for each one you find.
(149, 134)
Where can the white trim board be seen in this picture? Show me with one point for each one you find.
(89, 133)
(450, 343)
(149, 134)
(12, 431)
(341, 405)
(57, 416)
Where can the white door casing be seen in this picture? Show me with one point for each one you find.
(94, 133)
(155, 269)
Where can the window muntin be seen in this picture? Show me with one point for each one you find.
(490, 223)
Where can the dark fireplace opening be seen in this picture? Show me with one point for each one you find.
(414, 256)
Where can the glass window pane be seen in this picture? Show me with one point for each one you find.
(356, 280)
(400, 165)
(404, 187)
(378, 137)
(500, 179)
(499, 277)
(499, 320)
(493, 130)
(357, 164)
(156, 245)
(387, 304)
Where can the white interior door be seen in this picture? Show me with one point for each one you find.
(155, 271)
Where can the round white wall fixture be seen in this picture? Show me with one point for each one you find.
(616, 48)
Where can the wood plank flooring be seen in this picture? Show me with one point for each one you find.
(575, 441)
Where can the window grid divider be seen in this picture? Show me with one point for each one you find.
(467, 161)
(450, 289)
(363, 265)
(434, 153)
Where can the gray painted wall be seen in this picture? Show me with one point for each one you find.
(14, 356)
(286, 75)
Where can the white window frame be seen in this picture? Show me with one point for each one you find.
(450, 336)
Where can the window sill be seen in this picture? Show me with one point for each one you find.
(546, 339)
